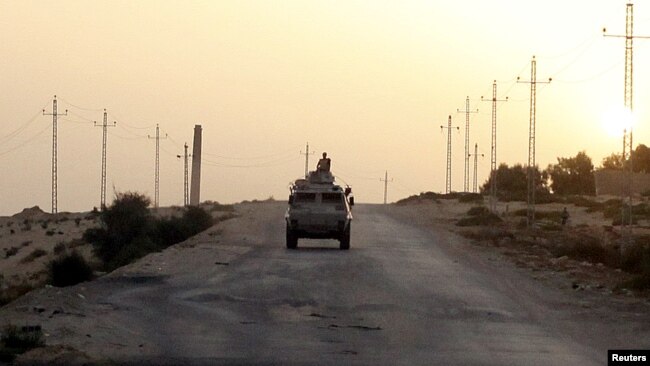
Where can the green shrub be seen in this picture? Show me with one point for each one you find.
(624, 215)
(197, 220)
(581, 201)
(521, 212)
(638, 282)
(636, 258)
(492, 234)
(550, 226)
(555, 216)
(15, 341)
(138, 248)
(586, 247)
(470, 197)
(128, 231)
(477, 211)
(174, 230)
(126, 219)
(479, 220)
(424, 196)
(216, 206)
(612, 208)
(69, 270)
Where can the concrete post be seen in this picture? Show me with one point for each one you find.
(195, 190)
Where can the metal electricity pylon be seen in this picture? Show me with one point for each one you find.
(307, 153)
(186, 187)
(104, 126)
(449, 127)
(530, 200)
(628, 100)
(157, 174)
(385, 180)
(467, 112)
(493, 151)
(55, 172)
(476, 155)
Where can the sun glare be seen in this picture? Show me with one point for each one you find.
(618, 119)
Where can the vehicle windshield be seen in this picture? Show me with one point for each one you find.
(303, 197)
(332, 198)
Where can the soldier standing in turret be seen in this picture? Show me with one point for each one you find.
(324, 164)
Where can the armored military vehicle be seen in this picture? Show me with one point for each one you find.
(319, 208)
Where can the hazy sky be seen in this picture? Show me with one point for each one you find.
(370, 82)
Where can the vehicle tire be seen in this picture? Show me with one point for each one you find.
(292, 239)
(345, 239)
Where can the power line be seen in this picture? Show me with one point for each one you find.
(530, 199)
(104, 126)
(385, 180)
(157, 174)
(21, 128)
(288, 152)
(493, 149)
(449, 127)
(30, 139)
(591, 77)
(628, 102)
(54, 115)
(186, 190)
(467, 112)
(476, 155)
(82, 108)
(89, 120)
(267, 164)
(307, 153)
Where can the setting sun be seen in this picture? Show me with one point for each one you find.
(618, 119)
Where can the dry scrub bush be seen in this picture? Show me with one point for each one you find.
(68, 270)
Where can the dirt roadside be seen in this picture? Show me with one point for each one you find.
(596, 287)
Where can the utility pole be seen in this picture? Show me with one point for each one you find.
(307, 153)
(628, 102)
(385, 180)
(493, 151)
(476, 155)
(104, 126)
(467, 111)
(186, 189)
(449, 127)
(157, 174)
(531, 141)
(54, 115)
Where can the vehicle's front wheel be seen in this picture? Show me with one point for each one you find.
(345, 239)
(292, 239)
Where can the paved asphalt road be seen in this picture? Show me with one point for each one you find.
(400, 296)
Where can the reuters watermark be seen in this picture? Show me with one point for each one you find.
(628, 357)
